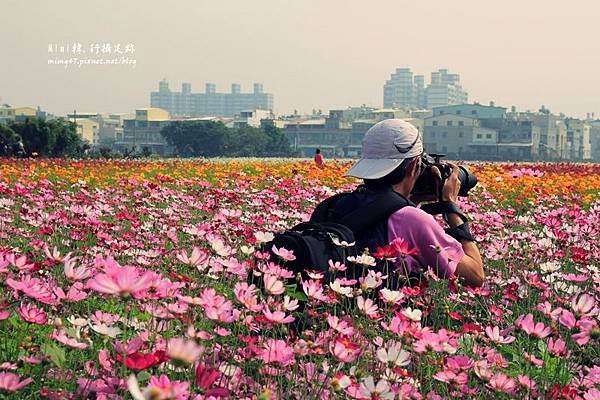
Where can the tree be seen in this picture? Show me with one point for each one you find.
(8, 139)
(196, 138)
(55, 138)
(278, 145)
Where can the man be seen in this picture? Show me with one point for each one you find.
(391, 160)
(319, 159)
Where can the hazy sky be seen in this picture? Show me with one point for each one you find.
(309, 53)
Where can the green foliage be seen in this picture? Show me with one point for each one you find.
(8, 139)
(214, 139)
(55, 138)
(55, 353)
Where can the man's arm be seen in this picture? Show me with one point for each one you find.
(470, 267)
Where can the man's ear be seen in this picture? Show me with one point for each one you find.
(414, 164)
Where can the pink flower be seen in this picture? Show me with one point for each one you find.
(277, 317)
(533, 329)
(11, 382)
(585, 329)
(393, 355)
(367, 306)
(277, 351)
(61, 336)
(121, 281)
(344, 349)
(31, 313)
(584, 305)
(314, 289)
(199, 258)
(592, 394)
(526, 382)
(245, 294)
(163, 388)
(273, 285)
(449, 376)
(494, 334)
(557, 347)
(567, 319)
(502, 383)
(284, 254)
(184, 350)
(75, 274)
(54, 255)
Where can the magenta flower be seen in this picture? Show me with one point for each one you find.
(527, 324)
(12, 382)
(31, 313)
(199, 258)
(567, 319)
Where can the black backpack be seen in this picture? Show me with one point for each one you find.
(313, 242)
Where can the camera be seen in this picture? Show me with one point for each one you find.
(427, 183)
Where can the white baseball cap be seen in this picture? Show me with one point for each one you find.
(385, 146)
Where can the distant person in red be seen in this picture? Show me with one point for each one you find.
(319, 159)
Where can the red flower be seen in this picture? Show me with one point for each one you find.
(139, 361)
(471, 327)
(455, 316)
(205, 377)
(384, 252)
(181, 278)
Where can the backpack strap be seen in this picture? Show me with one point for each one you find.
(322, 212)
(375, 211)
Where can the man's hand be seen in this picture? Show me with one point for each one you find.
(451, 186)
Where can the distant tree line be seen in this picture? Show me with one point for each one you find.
(36, 136)
(214, 139)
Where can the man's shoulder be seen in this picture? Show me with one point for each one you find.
(411, 214)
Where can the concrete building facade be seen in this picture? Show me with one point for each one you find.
(403, 90)
(210, 103)
(143, 131)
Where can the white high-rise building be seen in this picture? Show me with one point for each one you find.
(405, 90)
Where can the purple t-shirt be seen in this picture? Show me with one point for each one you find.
(421, 231)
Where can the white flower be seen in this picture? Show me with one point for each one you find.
(364, 259)
(380, 391)
(343, 290)
(342, 243)
(110, 331)
(78, 322)
(263, 237)
(394, 355)
(391, 296)
(550, 266)
(413, 315)
(247, 250)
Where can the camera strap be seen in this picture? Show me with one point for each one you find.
(443, 207)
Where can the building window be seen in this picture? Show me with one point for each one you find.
(458, 112)
(460, 134)
(435, 123)
(488, 135)
(479, 136)
(449, 123)
(474, 112)
(441, 112)
(461, 123)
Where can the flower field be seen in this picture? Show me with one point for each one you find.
(145, 279)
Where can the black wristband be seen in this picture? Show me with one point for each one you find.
(460, 232)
